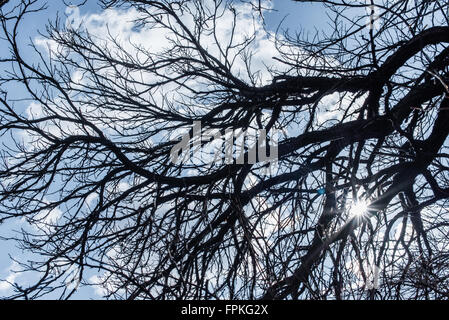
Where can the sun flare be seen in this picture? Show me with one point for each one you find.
(359, 208)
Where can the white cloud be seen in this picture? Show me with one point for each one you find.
(34, 110)
(99, 289)
(46, 219)
(5, 284)
(116, 26)
(91, 198)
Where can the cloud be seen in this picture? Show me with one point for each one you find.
(45, 220)
(97, 283)
(118, 31)
(6, 284)
(91, 198)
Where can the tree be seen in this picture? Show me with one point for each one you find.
(354, 207)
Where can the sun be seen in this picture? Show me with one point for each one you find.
(359, 208)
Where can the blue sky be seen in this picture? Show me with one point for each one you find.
(295, 16)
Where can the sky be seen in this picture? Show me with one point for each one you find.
(294, 16)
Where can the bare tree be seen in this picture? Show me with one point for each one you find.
(355, 207)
